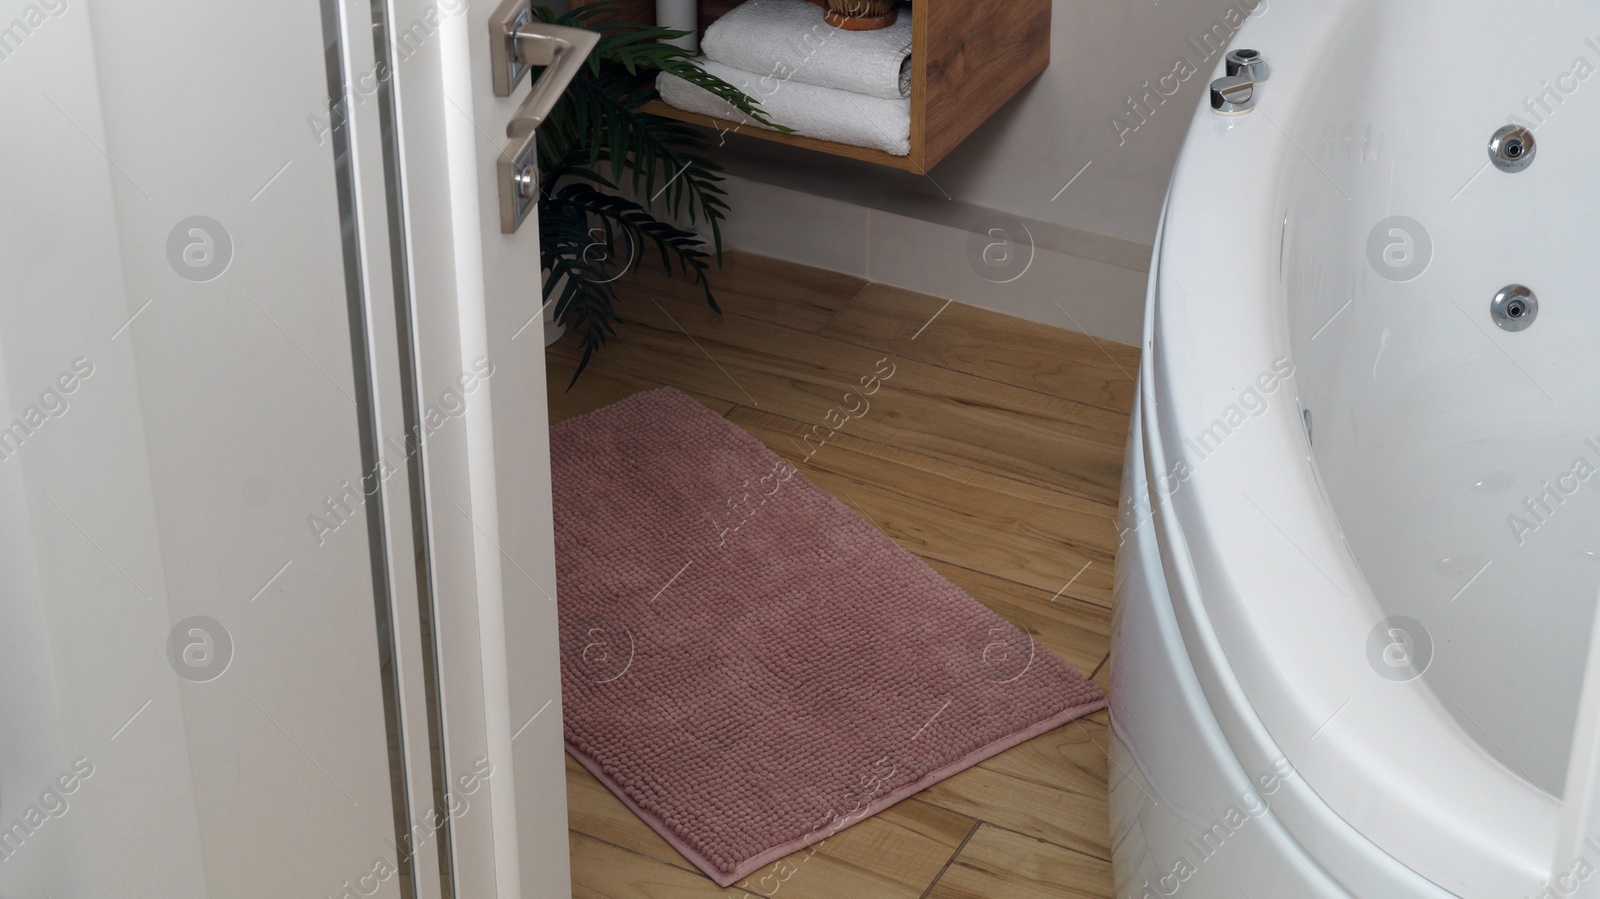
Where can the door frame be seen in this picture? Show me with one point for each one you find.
(469, 375)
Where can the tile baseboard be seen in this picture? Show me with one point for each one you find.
(1067, 278)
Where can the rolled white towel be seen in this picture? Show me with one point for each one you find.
(824, 113)
(789, 39)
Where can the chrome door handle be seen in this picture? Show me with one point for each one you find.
(562, 51)
(517, 43)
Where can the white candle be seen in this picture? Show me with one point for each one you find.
(681, 15)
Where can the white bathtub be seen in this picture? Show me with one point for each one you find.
(1270, 739)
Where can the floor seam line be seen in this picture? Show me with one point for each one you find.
(986, 472)
(1103, 663)
(863, 346)
(976, 823)
(1039, 839)
(840, 311)
(647, 857)
(987, 380)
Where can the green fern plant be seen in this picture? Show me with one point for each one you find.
(595, 141)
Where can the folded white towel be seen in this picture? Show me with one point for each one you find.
(824, 113)
(789, 39)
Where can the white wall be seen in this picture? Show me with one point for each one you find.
(1103, 104)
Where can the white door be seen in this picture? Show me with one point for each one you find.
(276, 570)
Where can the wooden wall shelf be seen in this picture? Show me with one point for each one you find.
(967, 60)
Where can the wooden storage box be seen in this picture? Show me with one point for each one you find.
(967, 59)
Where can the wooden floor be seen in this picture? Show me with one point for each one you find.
(994, 452)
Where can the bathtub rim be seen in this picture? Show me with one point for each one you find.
(1428, 797)
(1355, 867)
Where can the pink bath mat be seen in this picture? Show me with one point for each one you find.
(749, 665)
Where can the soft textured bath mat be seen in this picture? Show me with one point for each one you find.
(748, 664)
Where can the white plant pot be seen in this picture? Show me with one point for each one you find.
(552, 328)
(680, 15)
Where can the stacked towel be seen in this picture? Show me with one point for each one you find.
(824, 113)
(788, 39)
(849, 87)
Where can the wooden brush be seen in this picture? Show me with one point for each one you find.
(861, 15)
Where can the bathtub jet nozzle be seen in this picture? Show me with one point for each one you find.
(1514, 308)
(1511, 149)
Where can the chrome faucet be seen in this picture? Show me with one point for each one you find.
(1235, 93)
(1249, 62)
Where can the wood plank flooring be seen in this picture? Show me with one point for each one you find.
(994, 452)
